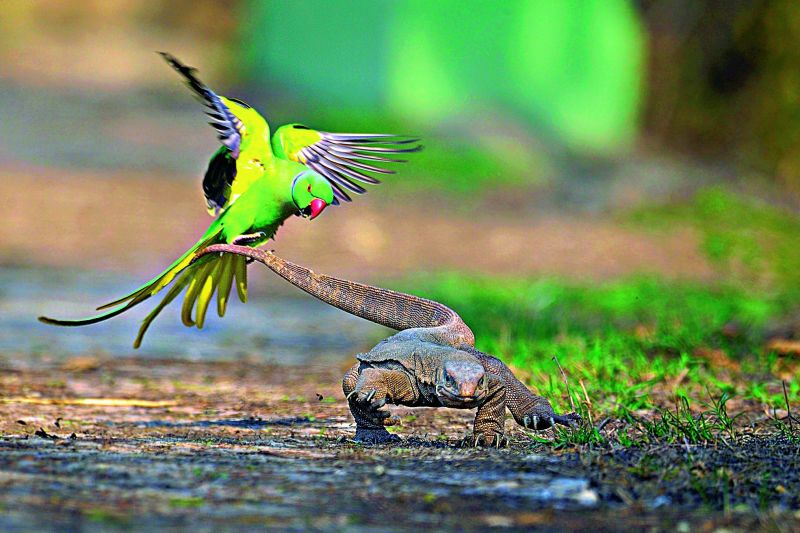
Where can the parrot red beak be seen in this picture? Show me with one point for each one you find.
(317, 206)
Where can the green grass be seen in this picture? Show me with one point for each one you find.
(622, 339)
(747, 239)
(680, 352)
(668, 358)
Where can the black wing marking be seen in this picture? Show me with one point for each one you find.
(218, 179)
(229, 127)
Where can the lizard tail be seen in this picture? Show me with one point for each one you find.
(389, 308)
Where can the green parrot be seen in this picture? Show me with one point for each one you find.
(252, 185)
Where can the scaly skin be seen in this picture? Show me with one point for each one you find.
(404, 370)
(420, 320)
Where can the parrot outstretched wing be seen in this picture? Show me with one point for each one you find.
(341, 157)
(230, 128)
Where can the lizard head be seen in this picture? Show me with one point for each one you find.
(311, 193)
(461, 384)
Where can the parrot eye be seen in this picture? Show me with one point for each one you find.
(309, 188)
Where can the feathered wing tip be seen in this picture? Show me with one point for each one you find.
(342, 158)
(227, 125)
(186, 71)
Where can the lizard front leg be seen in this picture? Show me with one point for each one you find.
(529, 410)
(367, 390)
(490, 417)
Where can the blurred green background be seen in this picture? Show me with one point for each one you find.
(580, 141)
(507, 92)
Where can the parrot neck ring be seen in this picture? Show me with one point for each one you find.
(294, 183)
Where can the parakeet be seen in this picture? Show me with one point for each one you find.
(253, 184)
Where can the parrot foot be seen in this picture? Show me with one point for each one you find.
(248, 239)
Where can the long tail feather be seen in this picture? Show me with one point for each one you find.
(166, 277)
(176, 289)
(198, 279)
(225, 283)
(86, 321)
(146, 290)
(208, 276)
(240, 271)
(206, 292)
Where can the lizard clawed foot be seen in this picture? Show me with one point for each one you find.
(530, 422)
(375, 436)
(250, 238)
(479, 440)
(369, 399)
(571, 420)
(540, 422)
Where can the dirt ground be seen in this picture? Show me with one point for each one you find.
(118, 443)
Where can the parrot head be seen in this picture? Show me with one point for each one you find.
(311, 193)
